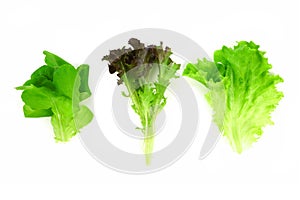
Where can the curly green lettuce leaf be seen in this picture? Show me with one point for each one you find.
(249, 96)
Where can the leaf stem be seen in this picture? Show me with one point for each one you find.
(148, 140)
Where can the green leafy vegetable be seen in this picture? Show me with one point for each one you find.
(242, 91)
(146, 71)
(55, 90)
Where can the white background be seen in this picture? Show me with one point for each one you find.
(33, 166)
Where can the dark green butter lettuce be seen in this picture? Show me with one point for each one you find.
(55, 90)
(242, 91)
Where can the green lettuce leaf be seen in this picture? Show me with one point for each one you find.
(53, 60)
(34, 113)
(84, 89)
(64, 79)
(242, 91)
(55, 90)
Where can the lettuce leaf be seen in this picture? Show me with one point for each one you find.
(146, 72)
(242, 91)
(55, 90)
